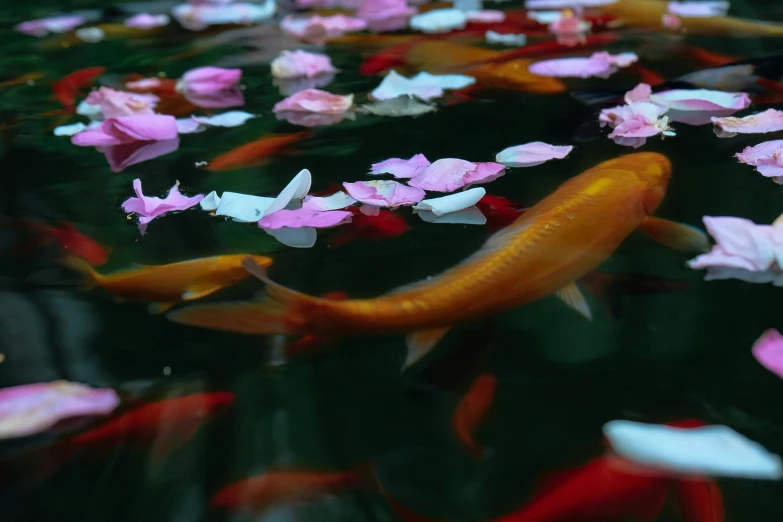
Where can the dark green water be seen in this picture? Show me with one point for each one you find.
(667, 355)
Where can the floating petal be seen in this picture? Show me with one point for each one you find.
(314, 100)
(770, 120)
(301, 64)
(439, 21)
(401, 168)
(384, 193)
(451, 203)
(303, 217)
(531, 154)
(768, 351)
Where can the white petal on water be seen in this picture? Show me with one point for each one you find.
(210, 202)
(444, 81)
(468, 216)
(69, 130)
(710, 450)
(94, 112)
(296, 189)
(226, 119)
(450, 203)
(303, 237)
(243, 207)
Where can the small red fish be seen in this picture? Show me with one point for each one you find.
(647, 76)
(472, 409)
(66, 88)
(275, 487)
(385, 225)
(73, 242)
(256, 152)
(499, 211)
(699, 500)
(706, 57)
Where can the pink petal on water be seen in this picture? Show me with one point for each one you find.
(443, 175)
(314, 100)
(209, 80)
(33, 408)
(319, 29)
(148, 208)
(765, 151)
(486, 16)
(768, 351)
(740, 243)
(701, 99)
(384, 193)
(600, 64)
(301, 64)
(124, 155)
(55, 24)
(141, 128)
(336, 201)
(531, 154)
(115, 104)
(385, 15)
(770, 120)
(401, 168)
(700, 9)
(146, 21)
(144, 83)
(231, 97)
(484, 173)
(640, 93)
(304, 217)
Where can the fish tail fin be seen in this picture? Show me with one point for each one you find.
(279, 311)
(77, 264)
(364, 476)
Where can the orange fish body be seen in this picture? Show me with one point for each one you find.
(511, 74)
(554, 243)
(600, 491)
(648, 13)
(280, 487)
(254, 153)
(169, 284)
(472, 409)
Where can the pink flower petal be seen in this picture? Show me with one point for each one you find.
(640, 93)
(318, 29)
(600, 64)
(740, 243)
(401, 168)
(768, 351)
(114, 131)
(33, 408)
(209, 80)
(531, 154)
(148, 208)
(484, 173)
(767, 157)
(115, 104)
(304, 217)
(314, 100)
(146, 21)
(231, 97)
(700, 99)
(55, 24)
(385, 15)
(443, 175)
(486, 16)
(301, 64)
(770, 120)
(384, 193)
(336, 201)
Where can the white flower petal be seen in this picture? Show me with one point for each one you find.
(69, 130)
(303, 237)
(243, 207)
(451, 203)
(296, 189)
(210, 202)
(444, 81)
(439, 21)
(468, 216)
(225, 119)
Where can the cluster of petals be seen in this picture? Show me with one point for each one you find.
(600, 64)
(111, 103)
(199, 17)
(633, 123)
(741, 249)
(301, 64)
(33, 408)
(320, 29)
(148, 208)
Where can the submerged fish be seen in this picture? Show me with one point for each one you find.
(555, 242)
(383, 226)
(166, 285)
(256, 152)
(67, 236)
(648, 13)
(261, 492)
(472, 409)
(66, 88)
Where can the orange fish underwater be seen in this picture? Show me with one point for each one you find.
(256, 152)
(166, 285)
(554, 243)
(255, 494)
(472, 409)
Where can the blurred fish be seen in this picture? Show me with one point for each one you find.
(699, 500)
(612, 287)
(606, 489)
(19, 80)
(499, 211)
(647, 14)
(256, 152)
(71, 241)
(261, 492)
(566, 235)
(166, 285)
(385, 225)
(471, 410)
(66, 88)
(169, 424)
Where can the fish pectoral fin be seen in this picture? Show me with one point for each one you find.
(197, 292)
(159, 308)
(675, 235)
(421, 342)
(573, 297)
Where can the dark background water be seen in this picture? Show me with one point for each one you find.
(666, 356)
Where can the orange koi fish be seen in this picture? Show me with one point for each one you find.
(511, 74)
(543, 252)
(648, 13)
(258, 493)
(166, 285)
(24, 78)
(256, 152)
(66, 88)
(472, 409)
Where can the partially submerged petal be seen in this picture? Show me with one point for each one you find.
(401, 168)
(600, 64)
(336, 201)
(33, 408)
(770, 120)
(394, 85)
(443, 175)
(124, 155)
(304, 217)
(709, 450)
(301, 64)
(384, 193)
(225, 119)
(451, 203)
(701, 99)
(314, 100)
(439, 21)
(303, 237)
(531, 154)
(403, 105)
(768, 351)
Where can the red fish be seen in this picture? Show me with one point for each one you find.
(706, 57)
(261, 492)
(699, 500)
(499, 211)
(75, 243)
(385, 225)
(66, 88)
(647, 76)
(472, 409)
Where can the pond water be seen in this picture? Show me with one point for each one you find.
(678, 348)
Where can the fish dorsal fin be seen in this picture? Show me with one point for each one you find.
(496, 242)
(678, 236)
(573, 297)
(421, 342)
